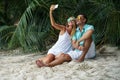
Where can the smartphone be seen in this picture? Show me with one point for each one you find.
(56, 6)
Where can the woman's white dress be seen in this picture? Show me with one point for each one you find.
(63, 44)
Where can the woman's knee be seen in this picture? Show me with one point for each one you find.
(62, 54)
(50, 56)
(66, 57)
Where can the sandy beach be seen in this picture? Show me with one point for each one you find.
(16, 65)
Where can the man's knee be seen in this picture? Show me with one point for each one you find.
(89, 40)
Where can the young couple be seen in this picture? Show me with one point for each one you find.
(64, 50)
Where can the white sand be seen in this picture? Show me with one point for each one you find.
(106, 66)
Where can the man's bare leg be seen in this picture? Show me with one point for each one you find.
(86, 46)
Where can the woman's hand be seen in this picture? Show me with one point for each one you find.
(52, 7)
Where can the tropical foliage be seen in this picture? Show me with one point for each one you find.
(26, 23)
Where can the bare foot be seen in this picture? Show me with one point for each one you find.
(39, 63)
(79, 60)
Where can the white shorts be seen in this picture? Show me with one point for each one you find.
(90, 54)
(74, 54)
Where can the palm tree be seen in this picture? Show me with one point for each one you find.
(105, 15)
(34, 32)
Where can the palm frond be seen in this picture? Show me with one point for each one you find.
(34, 32)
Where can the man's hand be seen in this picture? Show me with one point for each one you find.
(81, 48)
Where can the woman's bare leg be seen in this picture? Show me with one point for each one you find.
(62, 58)
(47, 59)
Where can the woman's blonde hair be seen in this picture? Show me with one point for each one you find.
(73, 26)
(73, 29)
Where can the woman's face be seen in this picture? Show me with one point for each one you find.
(71, 23)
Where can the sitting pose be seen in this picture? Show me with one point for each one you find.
(63, 44)
(83, 42)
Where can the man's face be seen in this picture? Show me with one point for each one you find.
(80, 20)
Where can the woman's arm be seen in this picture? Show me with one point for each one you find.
(74, 44)
(53, 23)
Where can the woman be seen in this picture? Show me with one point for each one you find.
(63, 44)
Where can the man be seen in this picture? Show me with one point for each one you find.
(82, 41)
